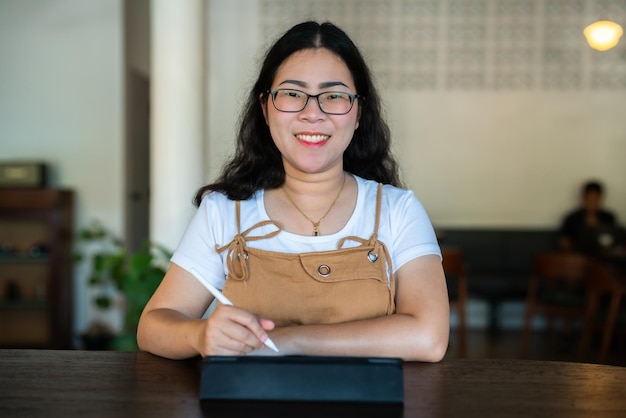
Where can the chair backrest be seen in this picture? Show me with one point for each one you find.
(455, 271)
(605, 278)
(566, 266)
(556, 288)
(453, 264)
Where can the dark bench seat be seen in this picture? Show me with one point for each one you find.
(499, 261)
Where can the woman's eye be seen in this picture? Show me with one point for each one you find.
(292, 94)
(335, 96)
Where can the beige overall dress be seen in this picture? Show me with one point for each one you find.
(322, 287)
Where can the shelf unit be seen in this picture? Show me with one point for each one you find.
(36, 230)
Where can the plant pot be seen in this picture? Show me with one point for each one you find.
(97, 337)
(96, 341)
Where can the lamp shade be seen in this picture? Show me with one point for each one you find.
(603, 34)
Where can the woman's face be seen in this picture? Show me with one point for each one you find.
(312, 141)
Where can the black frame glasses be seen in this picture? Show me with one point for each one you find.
(324, 95)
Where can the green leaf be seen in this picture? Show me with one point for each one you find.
(139, 263)
(137, 275)
(103, 302)
(95, 280)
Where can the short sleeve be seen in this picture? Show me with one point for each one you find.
(411, 229)
(196, 250)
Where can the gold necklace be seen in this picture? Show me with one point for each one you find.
(316, 225)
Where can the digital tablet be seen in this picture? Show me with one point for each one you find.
(355, 380)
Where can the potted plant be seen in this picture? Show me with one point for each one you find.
(133, 275)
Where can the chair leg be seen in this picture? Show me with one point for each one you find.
(462, 333)
(528, 316)
(462, 310)
(526, 333)
(567, 326)
(551, 330)
(607, 333)
(590, 314)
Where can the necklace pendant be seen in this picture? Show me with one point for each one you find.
(316, 225)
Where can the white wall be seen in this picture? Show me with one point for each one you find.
(509, 159)
(61, 103)
(476, 157)
(232, 58)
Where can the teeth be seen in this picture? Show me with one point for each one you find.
(312, 138)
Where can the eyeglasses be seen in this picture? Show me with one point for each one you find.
(330, 102)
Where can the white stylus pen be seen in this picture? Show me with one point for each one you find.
(225, 301)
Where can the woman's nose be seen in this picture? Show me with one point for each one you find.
(312, 110)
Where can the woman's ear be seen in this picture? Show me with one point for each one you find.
(264, 106)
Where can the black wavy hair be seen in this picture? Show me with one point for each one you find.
(592, 186)
(257, 162)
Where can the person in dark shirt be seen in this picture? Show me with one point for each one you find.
(590, 228)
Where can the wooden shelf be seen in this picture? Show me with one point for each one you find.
(23, 259)
(24, 304)
(36, 292)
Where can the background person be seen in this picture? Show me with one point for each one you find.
(589, 228)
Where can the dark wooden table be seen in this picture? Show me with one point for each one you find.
(44, 383)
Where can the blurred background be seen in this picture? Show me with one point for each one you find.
(499, 111)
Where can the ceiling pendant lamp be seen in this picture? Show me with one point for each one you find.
(603, 34)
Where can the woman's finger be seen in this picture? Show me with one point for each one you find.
(232, 330)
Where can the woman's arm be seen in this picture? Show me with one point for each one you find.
(418, 331)
(171, 325)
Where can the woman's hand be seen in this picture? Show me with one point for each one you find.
(231, 331)
(171, 324)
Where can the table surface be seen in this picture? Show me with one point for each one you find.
(36, 383)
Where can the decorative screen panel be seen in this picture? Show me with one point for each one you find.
(469, 44)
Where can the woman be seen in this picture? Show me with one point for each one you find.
(310, 250)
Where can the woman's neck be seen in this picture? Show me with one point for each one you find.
(313, 204)
(316, 185)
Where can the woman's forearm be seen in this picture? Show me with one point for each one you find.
(168, 333)
(397, 335)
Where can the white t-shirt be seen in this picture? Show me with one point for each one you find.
(404, 228)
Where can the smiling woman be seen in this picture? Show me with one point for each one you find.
(307, 231)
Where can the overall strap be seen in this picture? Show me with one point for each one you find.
(237, 247)
(379, 195)
(374, 237)
(378, 247)
(238, 215)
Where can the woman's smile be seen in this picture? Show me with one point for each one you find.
(314, 140)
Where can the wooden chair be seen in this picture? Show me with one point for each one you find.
(556, 289)
(456, 277)
(604, 280)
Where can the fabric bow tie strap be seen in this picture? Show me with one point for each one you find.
(237, 252)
